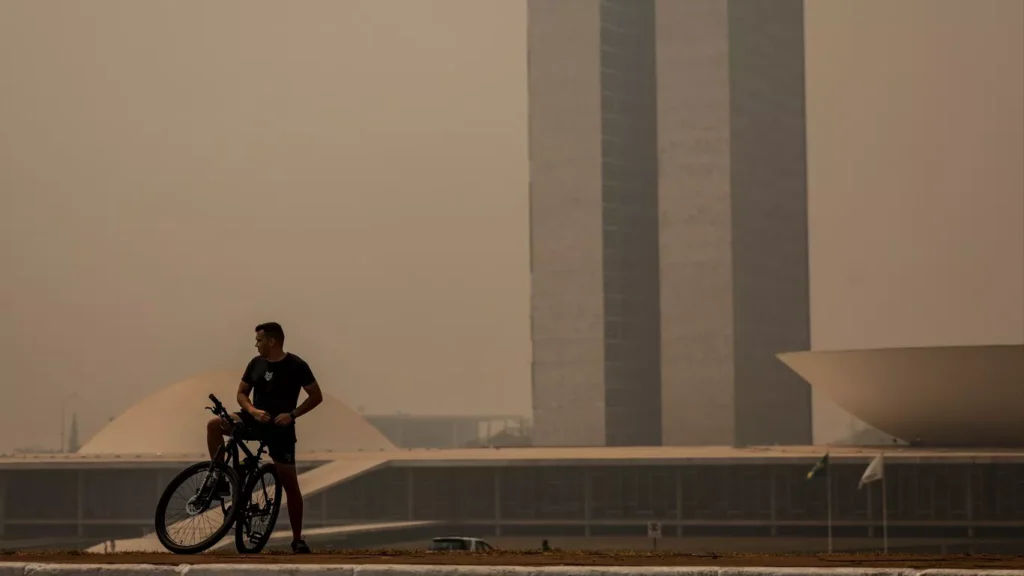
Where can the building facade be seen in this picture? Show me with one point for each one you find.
(668, 222)
(594, 240)
(941, 497)
(733, 202)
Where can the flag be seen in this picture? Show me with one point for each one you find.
(820, 469)
(874, 471)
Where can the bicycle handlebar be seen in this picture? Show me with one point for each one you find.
(218, 408)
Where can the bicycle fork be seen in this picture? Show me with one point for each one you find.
(207, 492)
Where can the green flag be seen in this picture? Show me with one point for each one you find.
(820, 469)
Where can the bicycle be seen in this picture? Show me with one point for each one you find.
(244, 480)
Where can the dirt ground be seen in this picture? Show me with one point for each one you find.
(511, 558)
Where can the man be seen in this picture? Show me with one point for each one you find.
(276, 377)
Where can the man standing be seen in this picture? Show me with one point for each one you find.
(275, 378)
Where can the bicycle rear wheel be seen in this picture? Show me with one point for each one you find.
(259, 507)
(199, 517)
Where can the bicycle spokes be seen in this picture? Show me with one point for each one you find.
(258, 510)
(198, 507)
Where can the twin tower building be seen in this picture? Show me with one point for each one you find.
(669, 247)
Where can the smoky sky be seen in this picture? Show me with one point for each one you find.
(174, 173)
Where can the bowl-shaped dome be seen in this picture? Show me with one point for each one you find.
(950, 396)
(173, 421)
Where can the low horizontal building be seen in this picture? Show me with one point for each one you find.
(440, 431)
(552, 491)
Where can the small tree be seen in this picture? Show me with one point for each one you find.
(73, 435)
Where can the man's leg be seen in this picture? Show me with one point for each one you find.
(216, 429)
(282, 452)
(290, 483)
(214, 436)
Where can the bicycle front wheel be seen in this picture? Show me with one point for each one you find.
(258, 509)
(197, 508)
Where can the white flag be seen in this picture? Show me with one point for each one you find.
(875, 471)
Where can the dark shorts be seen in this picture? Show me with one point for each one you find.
(280, 440)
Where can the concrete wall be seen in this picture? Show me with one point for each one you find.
(916, 186)
(594, 243)
(769, 219)
(734, 288)
(566, 246)
(695, 223)
(629, 190)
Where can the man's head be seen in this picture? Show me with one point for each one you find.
(269, 338)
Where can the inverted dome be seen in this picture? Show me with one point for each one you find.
(173, 421)
(949, 396)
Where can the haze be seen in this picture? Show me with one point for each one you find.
(173, 173)
(915, 139)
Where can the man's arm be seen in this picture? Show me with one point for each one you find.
(243, 397)
(243, 400)
(313, 399)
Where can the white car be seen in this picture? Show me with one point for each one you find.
(459, 544)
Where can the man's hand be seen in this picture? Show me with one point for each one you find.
(283, 419)
(260, 415)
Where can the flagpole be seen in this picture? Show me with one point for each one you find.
(828, 504)
(885, 513)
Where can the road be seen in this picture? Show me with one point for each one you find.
(508, 558)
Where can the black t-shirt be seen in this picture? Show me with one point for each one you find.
(276, 385)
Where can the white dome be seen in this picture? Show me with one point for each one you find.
(950, 396)
(173, 421)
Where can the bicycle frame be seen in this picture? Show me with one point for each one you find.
(248, 465)
(237, 444)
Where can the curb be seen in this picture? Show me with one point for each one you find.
(26, 569)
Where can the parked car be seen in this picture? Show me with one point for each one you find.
(459, 544)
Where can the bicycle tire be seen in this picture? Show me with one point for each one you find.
(241, 543)
(165, 498)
